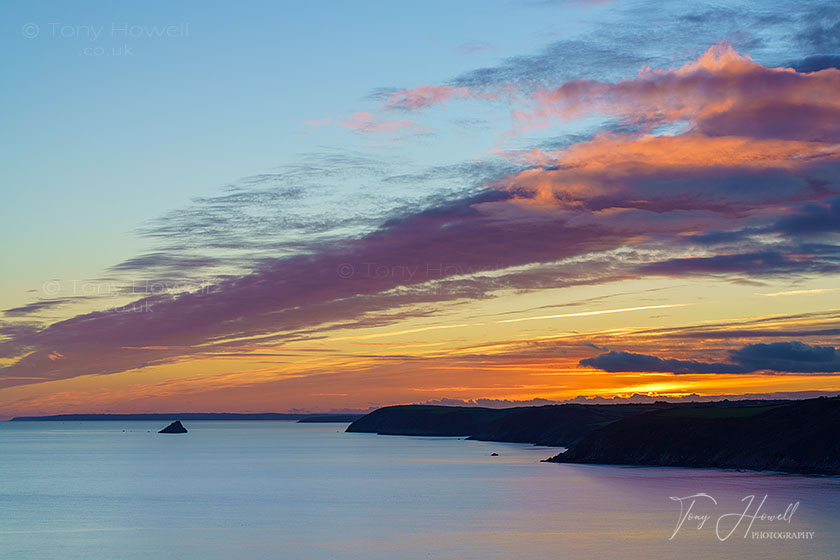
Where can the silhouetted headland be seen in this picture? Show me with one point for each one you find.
(799, 437)
(783, 436)
(551, 425)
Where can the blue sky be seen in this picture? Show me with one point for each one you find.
(97, 144)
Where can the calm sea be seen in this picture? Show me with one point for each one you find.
(240, 490)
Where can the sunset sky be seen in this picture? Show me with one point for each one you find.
(334, 206)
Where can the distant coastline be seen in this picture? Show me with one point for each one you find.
(192, 417)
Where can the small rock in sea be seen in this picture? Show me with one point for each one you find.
(494, 454)
(174, 428)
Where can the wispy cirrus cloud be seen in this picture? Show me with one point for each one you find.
(35, 307)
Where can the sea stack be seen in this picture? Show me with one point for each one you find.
(174, 428)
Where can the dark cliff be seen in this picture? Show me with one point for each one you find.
(553, 425)
(795, 437)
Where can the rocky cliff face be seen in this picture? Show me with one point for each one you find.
(795, 437)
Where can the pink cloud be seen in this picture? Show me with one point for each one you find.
(719, 81)
(741, 118)
(425, 96)
(366, 123)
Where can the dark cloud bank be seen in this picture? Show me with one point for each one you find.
(782, 357)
